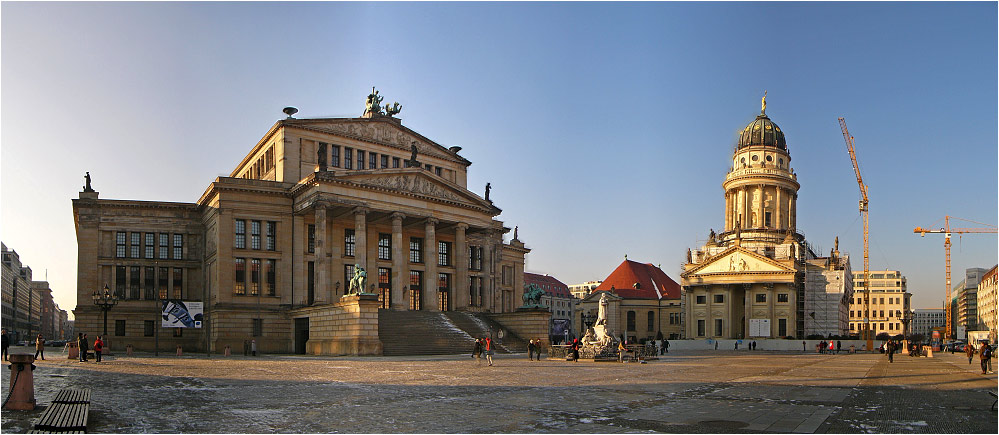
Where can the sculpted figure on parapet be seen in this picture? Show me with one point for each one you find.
(374, 103)
(358, 282)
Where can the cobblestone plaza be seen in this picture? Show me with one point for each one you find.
(686, 392)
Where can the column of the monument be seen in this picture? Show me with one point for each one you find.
(792, 211)
(771, 297)
(748, 310)
(747, 218)
(361, 244)
(399, 275)
(730, 318)
(728, 210)
(488, 287)
(460, 288)
(778, 208)
(430, 289)
(760, 220)
(323, 287)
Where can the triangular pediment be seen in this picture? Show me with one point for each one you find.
(738, 260)
(419, 183)
(595, 296)
(384, 131)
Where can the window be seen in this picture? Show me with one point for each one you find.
(631, 321)
(311, 283)
(119, 244)
(385, 287)
(149, 246)
(782, 327)
(475, 257)
(443, 253)
(178, 246)
(882, 314)
(702, 300)
(415, 289)
(891, 314)
(178, 283)
(348, 242)
(119, 328)
(164, 241)
(766, 219)
(437, 171)
(335, 156)
(147, 328)
(415, 250)
(852, 326)
(719, 299)
(428, 167)
(164, 282)
(700, 328)
(507, 277)
(119, 282)
(761, 297)
(254, 276)
(882, 301)
(444, 291)
(384, 247)
(782, 297)
(239, 280)
(718, 327)
(134, 247)
(372, 161)
(652, 321)
(474, 291)
(395, 162)
(312, 238)
(240, 234)
(271, 232)
(360, 159)
(255, 235)
(348, 158)
(133, 282)
(851, 313)
(150, 284)
(271, 277)
(348, 273)
(258, 327)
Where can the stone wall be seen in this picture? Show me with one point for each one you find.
(526, 323)
(348, 327)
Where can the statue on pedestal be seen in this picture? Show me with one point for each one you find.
(358, 282)
(321, 156)
(488, 188)
(373, 105)
(86, 187)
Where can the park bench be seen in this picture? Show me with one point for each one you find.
(68, 413)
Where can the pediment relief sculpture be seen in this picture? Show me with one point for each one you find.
(411, 184)
(737, 260)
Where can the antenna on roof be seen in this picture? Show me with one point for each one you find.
(290, 111)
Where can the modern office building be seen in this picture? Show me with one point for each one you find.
(889, 301)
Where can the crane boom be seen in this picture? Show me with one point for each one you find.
(863, 211)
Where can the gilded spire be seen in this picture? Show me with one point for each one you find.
(763, 104)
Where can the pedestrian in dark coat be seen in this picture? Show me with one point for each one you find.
(890, 348)
(40, 346)
(530, 350)
(84, 347)
(666, 346)
(970, 350)
(5, 343)
(477, 350)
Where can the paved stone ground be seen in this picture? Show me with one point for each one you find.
(689, 392)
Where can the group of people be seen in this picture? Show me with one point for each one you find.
(534, 349)
(39, 345)
(483, 346)
(984, 354)
(830, 346)
(84, 346)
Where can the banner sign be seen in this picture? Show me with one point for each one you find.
(179, 314)
(759, 327)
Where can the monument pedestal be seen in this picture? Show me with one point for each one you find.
(526, 323)
(347, 327)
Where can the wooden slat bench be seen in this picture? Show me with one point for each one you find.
(68, 413)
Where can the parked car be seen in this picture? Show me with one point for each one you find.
(56, 343)
(956, 346)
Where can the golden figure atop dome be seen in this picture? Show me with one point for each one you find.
(763, 103)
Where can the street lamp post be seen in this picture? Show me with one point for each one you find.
(906, 317)
(105, 301)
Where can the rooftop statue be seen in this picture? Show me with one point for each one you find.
(763, 104)
(321, 156)
(86, 187)
(488, 188)
(373, 105)
(394, 109)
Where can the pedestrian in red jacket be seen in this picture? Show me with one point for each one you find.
(98, 348)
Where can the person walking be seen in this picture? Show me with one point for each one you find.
(621, 350)
(970, 351)
(489, 351)
(84, 346)
(537, 349)
(575, 350)
(666, 346)
(98, 348)
(803, 348)
(839, 345)
(530, 350)
(40, 346)
(477, 351)
(984, 355)
(890, 349)
(4, 342)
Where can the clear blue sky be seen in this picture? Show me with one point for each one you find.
(605, 128)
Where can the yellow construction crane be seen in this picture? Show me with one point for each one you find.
(947, 231)
(866, 331)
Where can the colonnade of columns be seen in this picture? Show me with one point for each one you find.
(741, 203)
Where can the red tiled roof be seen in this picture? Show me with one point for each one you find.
(548, 284)
(653, 282)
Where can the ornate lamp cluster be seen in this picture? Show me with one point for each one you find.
(105, 300)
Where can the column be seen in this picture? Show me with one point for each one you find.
(459, 294)
(778, 208)
(730, 319)
(792, 219)
(760, 216)
(771, 298)
(429, 301)
(323, 288)
(400, 276)
(748, 304)
(361, 244)
(747, 218)
(489, 282)
(728, 211)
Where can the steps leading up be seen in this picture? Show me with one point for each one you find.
(439, 333)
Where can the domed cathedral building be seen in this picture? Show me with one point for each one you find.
(758, 277)
(273, 253)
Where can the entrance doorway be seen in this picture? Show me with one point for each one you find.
(301, 334)
(444, 291)
(415, 289)
(384, 288)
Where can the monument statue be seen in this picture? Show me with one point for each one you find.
(532, 296)
(515, 229)
(837, 243)
(601, 336)
(763, 103)
(321, 154)
(488, 188)
(412, 162)
(373, 105)
(86, 187)
(358, 282)
(394, 109)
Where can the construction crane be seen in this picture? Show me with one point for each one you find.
(947, 231)
(866, 332)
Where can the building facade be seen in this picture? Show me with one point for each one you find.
(28, 307)
(889, 301)
(580, 291)
(966, 292)
(926, 320)
(558, 300)
(312, 203)
(757, 276)
(644, 303)
(988, 314)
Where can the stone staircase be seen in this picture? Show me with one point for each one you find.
(437, 333)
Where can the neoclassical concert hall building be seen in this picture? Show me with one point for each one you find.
(271, 249)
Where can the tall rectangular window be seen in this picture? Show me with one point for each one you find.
(150, 247)
(384, 246)
(444, 291)
(119, 239)
(372, 161)
(415, 250)
(149, 281)
(473, 291)
(271, 277)
(652, 321)
(147, 328)
(348, 272)
(239, 280)
(254, 276)
(133, 282)
(310, 288)
(178, 283)
(164, 282)
(475, 257)
(443, 253)
(348, 242)
(134, 246)
(240, 234)
(782, 327)
(258, 327)
(119, 281)
(700, 328)
(335, 156)
(312, 238)
(631, 321)
(119, 328)
(395, 162)
(718, 327)
(415, 289)
(178, 246)
(385, 287)
(271, 235)
(437, 170)
(384, 161)
(255, 235)
(348, 158)
(164, 246)
(360, 159)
